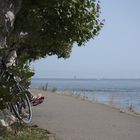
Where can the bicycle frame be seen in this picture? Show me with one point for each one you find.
(22, 102)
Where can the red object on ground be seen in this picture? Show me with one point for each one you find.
(38, 100)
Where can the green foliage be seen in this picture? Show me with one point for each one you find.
(51, 27)
(7, 92)
(5, 97)
(8, 88)
(23, 73)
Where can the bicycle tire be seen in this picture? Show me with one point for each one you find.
(18, 106)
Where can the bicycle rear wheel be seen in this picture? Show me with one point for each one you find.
(22, 108)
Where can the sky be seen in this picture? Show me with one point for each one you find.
(115, 53)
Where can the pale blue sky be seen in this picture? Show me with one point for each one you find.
(115, 53)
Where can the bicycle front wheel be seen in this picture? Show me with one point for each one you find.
(22, 108)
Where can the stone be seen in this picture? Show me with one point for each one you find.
(6, 118)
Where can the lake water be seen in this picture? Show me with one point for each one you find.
(121, 92)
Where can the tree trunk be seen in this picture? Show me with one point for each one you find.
(8, 11)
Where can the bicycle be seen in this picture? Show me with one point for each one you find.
(19, 106)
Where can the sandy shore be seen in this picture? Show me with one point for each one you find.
(75, 119)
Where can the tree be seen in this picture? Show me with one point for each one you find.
(51, 27)
(44, 27)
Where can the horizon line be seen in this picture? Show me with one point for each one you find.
(58, 78)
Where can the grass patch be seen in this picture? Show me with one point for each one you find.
(22, 132)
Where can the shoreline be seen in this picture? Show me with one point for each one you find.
(85, 98)
(124, 94)
(112, 105)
